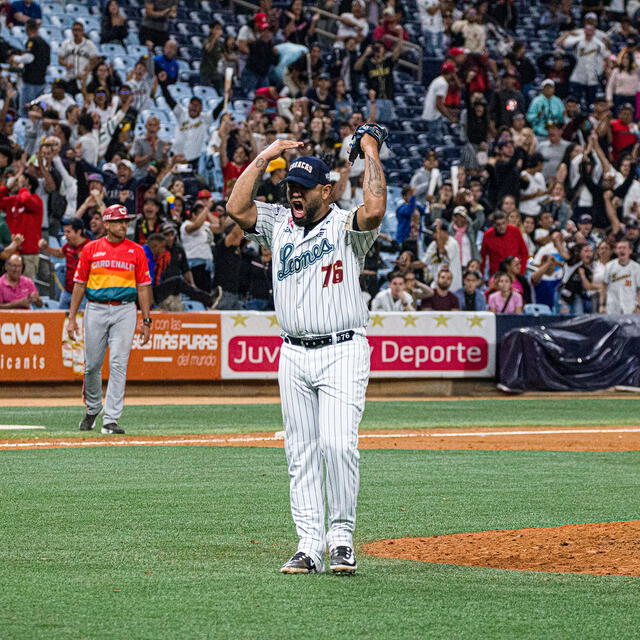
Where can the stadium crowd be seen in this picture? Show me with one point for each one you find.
(512, 164)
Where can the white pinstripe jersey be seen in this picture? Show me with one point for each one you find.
(316, 279)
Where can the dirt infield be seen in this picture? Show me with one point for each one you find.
(604, 548)
(522, 439)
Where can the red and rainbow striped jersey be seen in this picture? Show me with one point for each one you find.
(112, 271)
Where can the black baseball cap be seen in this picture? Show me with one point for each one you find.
(585, 218)
(308, 171)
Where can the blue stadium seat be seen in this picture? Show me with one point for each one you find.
(137, 50)
(111, 50)
(192, 305)
(180, 90)
(537, 309)
(49, 304)
(205, 93)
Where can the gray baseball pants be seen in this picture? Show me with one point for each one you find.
(105, 326)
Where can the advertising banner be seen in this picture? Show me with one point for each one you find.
(34, 346)
(411, 345)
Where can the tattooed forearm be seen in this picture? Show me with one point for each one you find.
(375, 181)
(260, 164)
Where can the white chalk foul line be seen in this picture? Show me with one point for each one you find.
(466, 434)
(13, 427)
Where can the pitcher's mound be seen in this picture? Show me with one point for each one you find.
(601, 548)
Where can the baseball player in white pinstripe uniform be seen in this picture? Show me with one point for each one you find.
(319, 252)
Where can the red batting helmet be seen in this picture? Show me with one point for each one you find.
(116, 212)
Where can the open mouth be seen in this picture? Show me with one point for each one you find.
(297, 208)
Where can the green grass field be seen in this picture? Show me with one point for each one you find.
(185, 542)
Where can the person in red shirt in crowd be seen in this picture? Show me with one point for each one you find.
(70, 251)
(389, 27)
(17, 291)
(473, 69)
(500, 242)
(623, 132)
(24, 212)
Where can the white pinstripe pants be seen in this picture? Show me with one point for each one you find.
(323, 395)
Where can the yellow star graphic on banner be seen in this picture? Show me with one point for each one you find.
(441, 320)
(475, 321)
(410, 320)
(377, 321)
(239, 319)
(273, 320)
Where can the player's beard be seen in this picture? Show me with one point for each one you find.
(310, 209)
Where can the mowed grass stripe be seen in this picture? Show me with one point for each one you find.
(192, 419)
(186, 542)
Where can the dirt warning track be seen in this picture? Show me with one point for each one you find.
(606, 438)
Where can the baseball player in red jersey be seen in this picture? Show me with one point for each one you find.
(112, 272)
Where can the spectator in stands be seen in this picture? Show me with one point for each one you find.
(25, 10)
(621, 285)
(97, 228)
(261, 58)
(443, 250)
(78, 55)
(298, 26)
(155, 23)
(442, 298)
(149, 151)
(473, 32)
(271, 190)
(547, 268)
(504, 171)
(212, 51)
(377, 67)
(389, 29)
(590, 55)
(552, 150)
(536, 191)
(191, 130)
(464, 230)
(17, 291)
(578, 290)
(167, 63)
(9, 244)
(113, 26)
(260, 294)
(624, 80)
(94, 202)
(165, 282)
(500, 242)
(36, 59)
(444, 204)
(150, 222)
(121, 188)
(512, 266)
(87, 140)
(24, 215)
(406, 213)
(435, 111)
(427, 179)
(70, 251)
(477, 127)
(505, 299)
(143, 82)
(524, 66)
(352, 24)
(196, 242)
(470, 297)
(545, 108)
(228, 269)
(395, 297)
(624, 132)
(506, 102)
(58, 100)
(432, 26)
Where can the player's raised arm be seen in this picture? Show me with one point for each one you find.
(367, 142)
(241, 206)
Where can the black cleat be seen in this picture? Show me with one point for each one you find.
(343, 561)
(299, 563)
(112, 428)
(86, 424)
